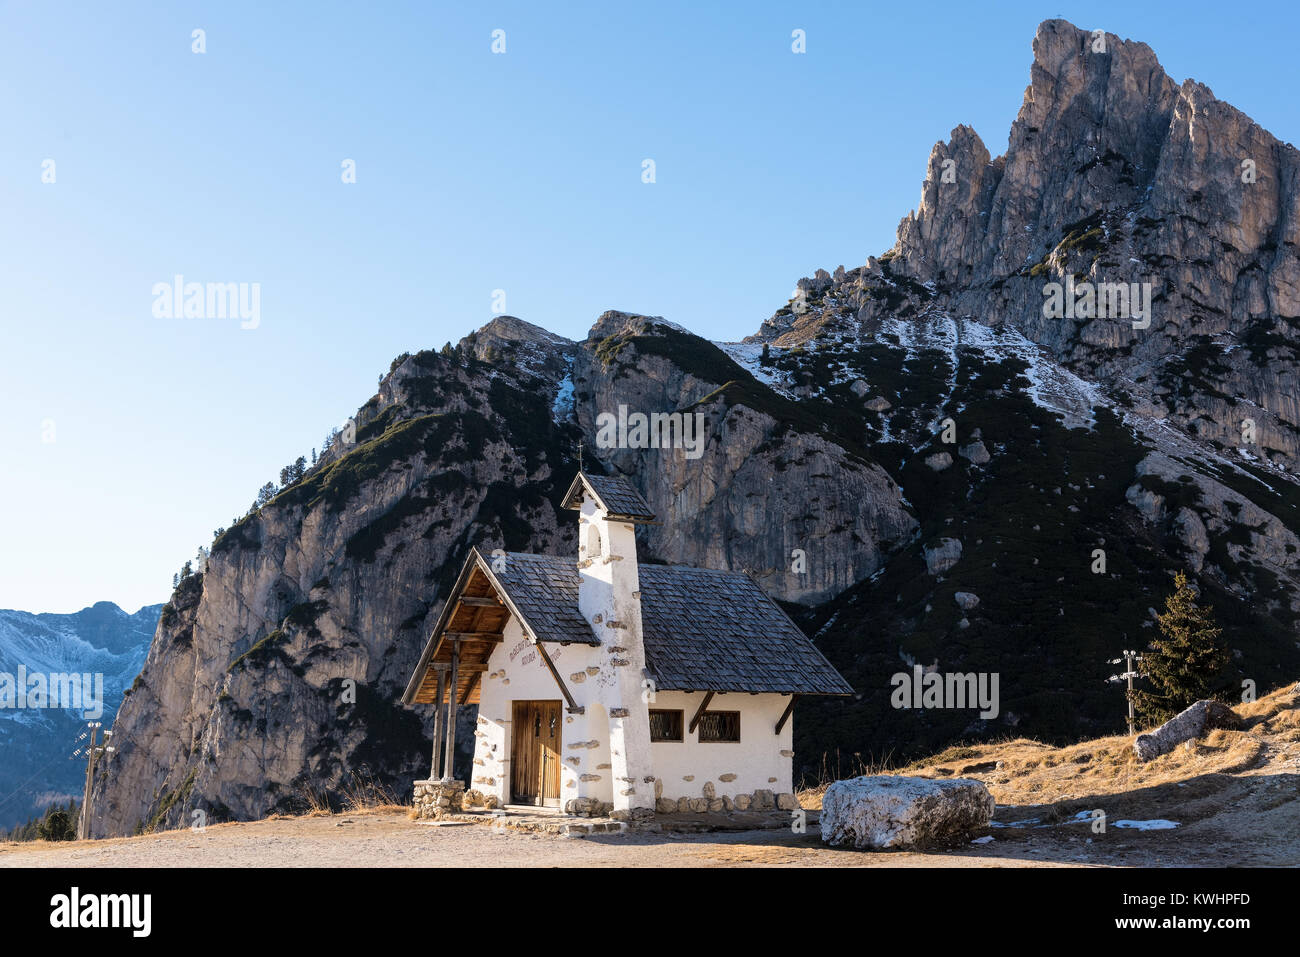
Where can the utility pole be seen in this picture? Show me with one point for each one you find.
(92, 752)
(1130, 657)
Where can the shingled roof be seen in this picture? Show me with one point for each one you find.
(617, 496)
(703, 630)
(708, 630)
(544, 589)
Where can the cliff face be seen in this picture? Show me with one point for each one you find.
(772, 479)
(909, 452)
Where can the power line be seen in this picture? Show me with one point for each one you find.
(20, 787)
(92, 751)
(1128, 675)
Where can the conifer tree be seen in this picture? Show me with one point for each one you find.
(1185, 664)
(58, 825)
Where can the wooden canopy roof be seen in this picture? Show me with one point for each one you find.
(476, 617)
(479, 606)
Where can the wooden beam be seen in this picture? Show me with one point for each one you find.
(437, 726)
(469, 688)
(473, 602)
(785, 715)
(564, 689)
(492, 636)
(700, 711)
(448, 759)
(465, 667)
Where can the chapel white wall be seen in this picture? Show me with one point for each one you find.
(761, 760)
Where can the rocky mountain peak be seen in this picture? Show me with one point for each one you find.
(1115, 178)
(534, 349)
(507, 331)
(615, 322)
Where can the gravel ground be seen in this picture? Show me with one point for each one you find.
(390, 839)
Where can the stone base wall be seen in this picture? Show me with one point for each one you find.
(761, 800)
(475, 799)
(437, 799)
(588, 807)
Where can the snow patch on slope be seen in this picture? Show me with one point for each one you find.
(747, 356)
(1051, 386)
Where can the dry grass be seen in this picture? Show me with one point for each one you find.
(317, 802)
(361, 794)
(364, 793)
(1021, 771)
(837, 769)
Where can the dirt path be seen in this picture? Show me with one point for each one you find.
(390, 839)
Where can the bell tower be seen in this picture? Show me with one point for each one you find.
(609, 597)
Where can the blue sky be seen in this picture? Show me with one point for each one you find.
(128, 438)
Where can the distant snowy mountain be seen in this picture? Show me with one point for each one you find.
(35, 743)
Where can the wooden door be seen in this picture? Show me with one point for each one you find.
(535, 753)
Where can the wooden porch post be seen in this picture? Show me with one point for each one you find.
(449, 757)
(438, 725)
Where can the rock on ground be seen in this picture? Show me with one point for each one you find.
(942, 555)
(886, 811)
(1200, 718)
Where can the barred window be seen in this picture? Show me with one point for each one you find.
(665, 725)
(720, 726)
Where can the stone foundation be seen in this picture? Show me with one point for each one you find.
(475, 799)
(588, 807)
(760, 800)
(437, 799)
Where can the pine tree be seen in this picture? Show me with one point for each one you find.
(58, 825)
(265, 494)
(1185, 664)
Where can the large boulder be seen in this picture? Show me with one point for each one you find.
(885, 811)
(942, 555)
(1200, 718)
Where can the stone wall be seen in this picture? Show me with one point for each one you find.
(710, 802)
(437, 799)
